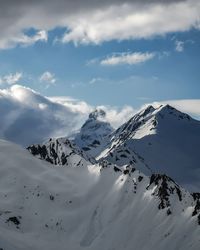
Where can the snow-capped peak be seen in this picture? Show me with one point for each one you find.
(97, 114)
(169, 111)
(166, 140)
(93, 133)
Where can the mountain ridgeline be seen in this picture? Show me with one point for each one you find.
(155, 140)
(87, 206)
(104, 188)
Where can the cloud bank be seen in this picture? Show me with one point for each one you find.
(28, 117)
(93, 21)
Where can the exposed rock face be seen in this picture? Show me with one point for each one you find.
(196, 211)
(60, 152)
(165, 186)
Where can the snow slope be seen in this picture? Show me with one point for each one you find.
(91, 207)
(165, 139)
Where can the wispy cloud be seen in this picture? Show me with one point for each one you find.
(11, 78)
(127, 58)
(48, 78)
(29, 40)
(96, 80)
(179, 46)
(23, 39)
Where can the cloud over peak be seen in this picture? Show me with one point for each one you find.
(28, 117)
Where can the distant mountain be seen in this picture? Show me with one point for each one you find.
(91, 206)
(164, 139)
(94, 133)
(84, 144)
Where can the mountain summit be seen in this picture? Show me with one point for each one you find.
(94, 132)
(165, 139)
(97, 113)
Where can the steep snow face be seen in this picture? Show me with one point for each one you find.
(165, 139)
(94, 133)
(61, 152)
(91, 207)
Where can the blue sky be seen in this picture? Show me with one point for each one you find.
(168, 71)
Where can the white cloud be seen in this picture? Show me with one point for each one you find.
(114, 115)
(47, 77)
(117, 116)
(73, 104)
(127, 58)
(95, 21)
(179, 46)
(28, 117)
(11, 78)
(29, 40)
(132, 21)
(23, 40)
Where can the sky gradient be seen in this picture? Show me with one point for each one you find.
(78, 71)
(117, 54)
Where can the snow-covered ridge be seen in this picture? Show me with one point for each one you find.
(43, 207)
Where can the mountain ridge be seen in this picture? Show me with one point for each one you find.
(87, 206)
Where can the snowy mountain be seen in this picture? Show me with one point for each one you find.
(91, 207)
(84, 145)
(94, 133)
(93, 137)
(164, 139)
